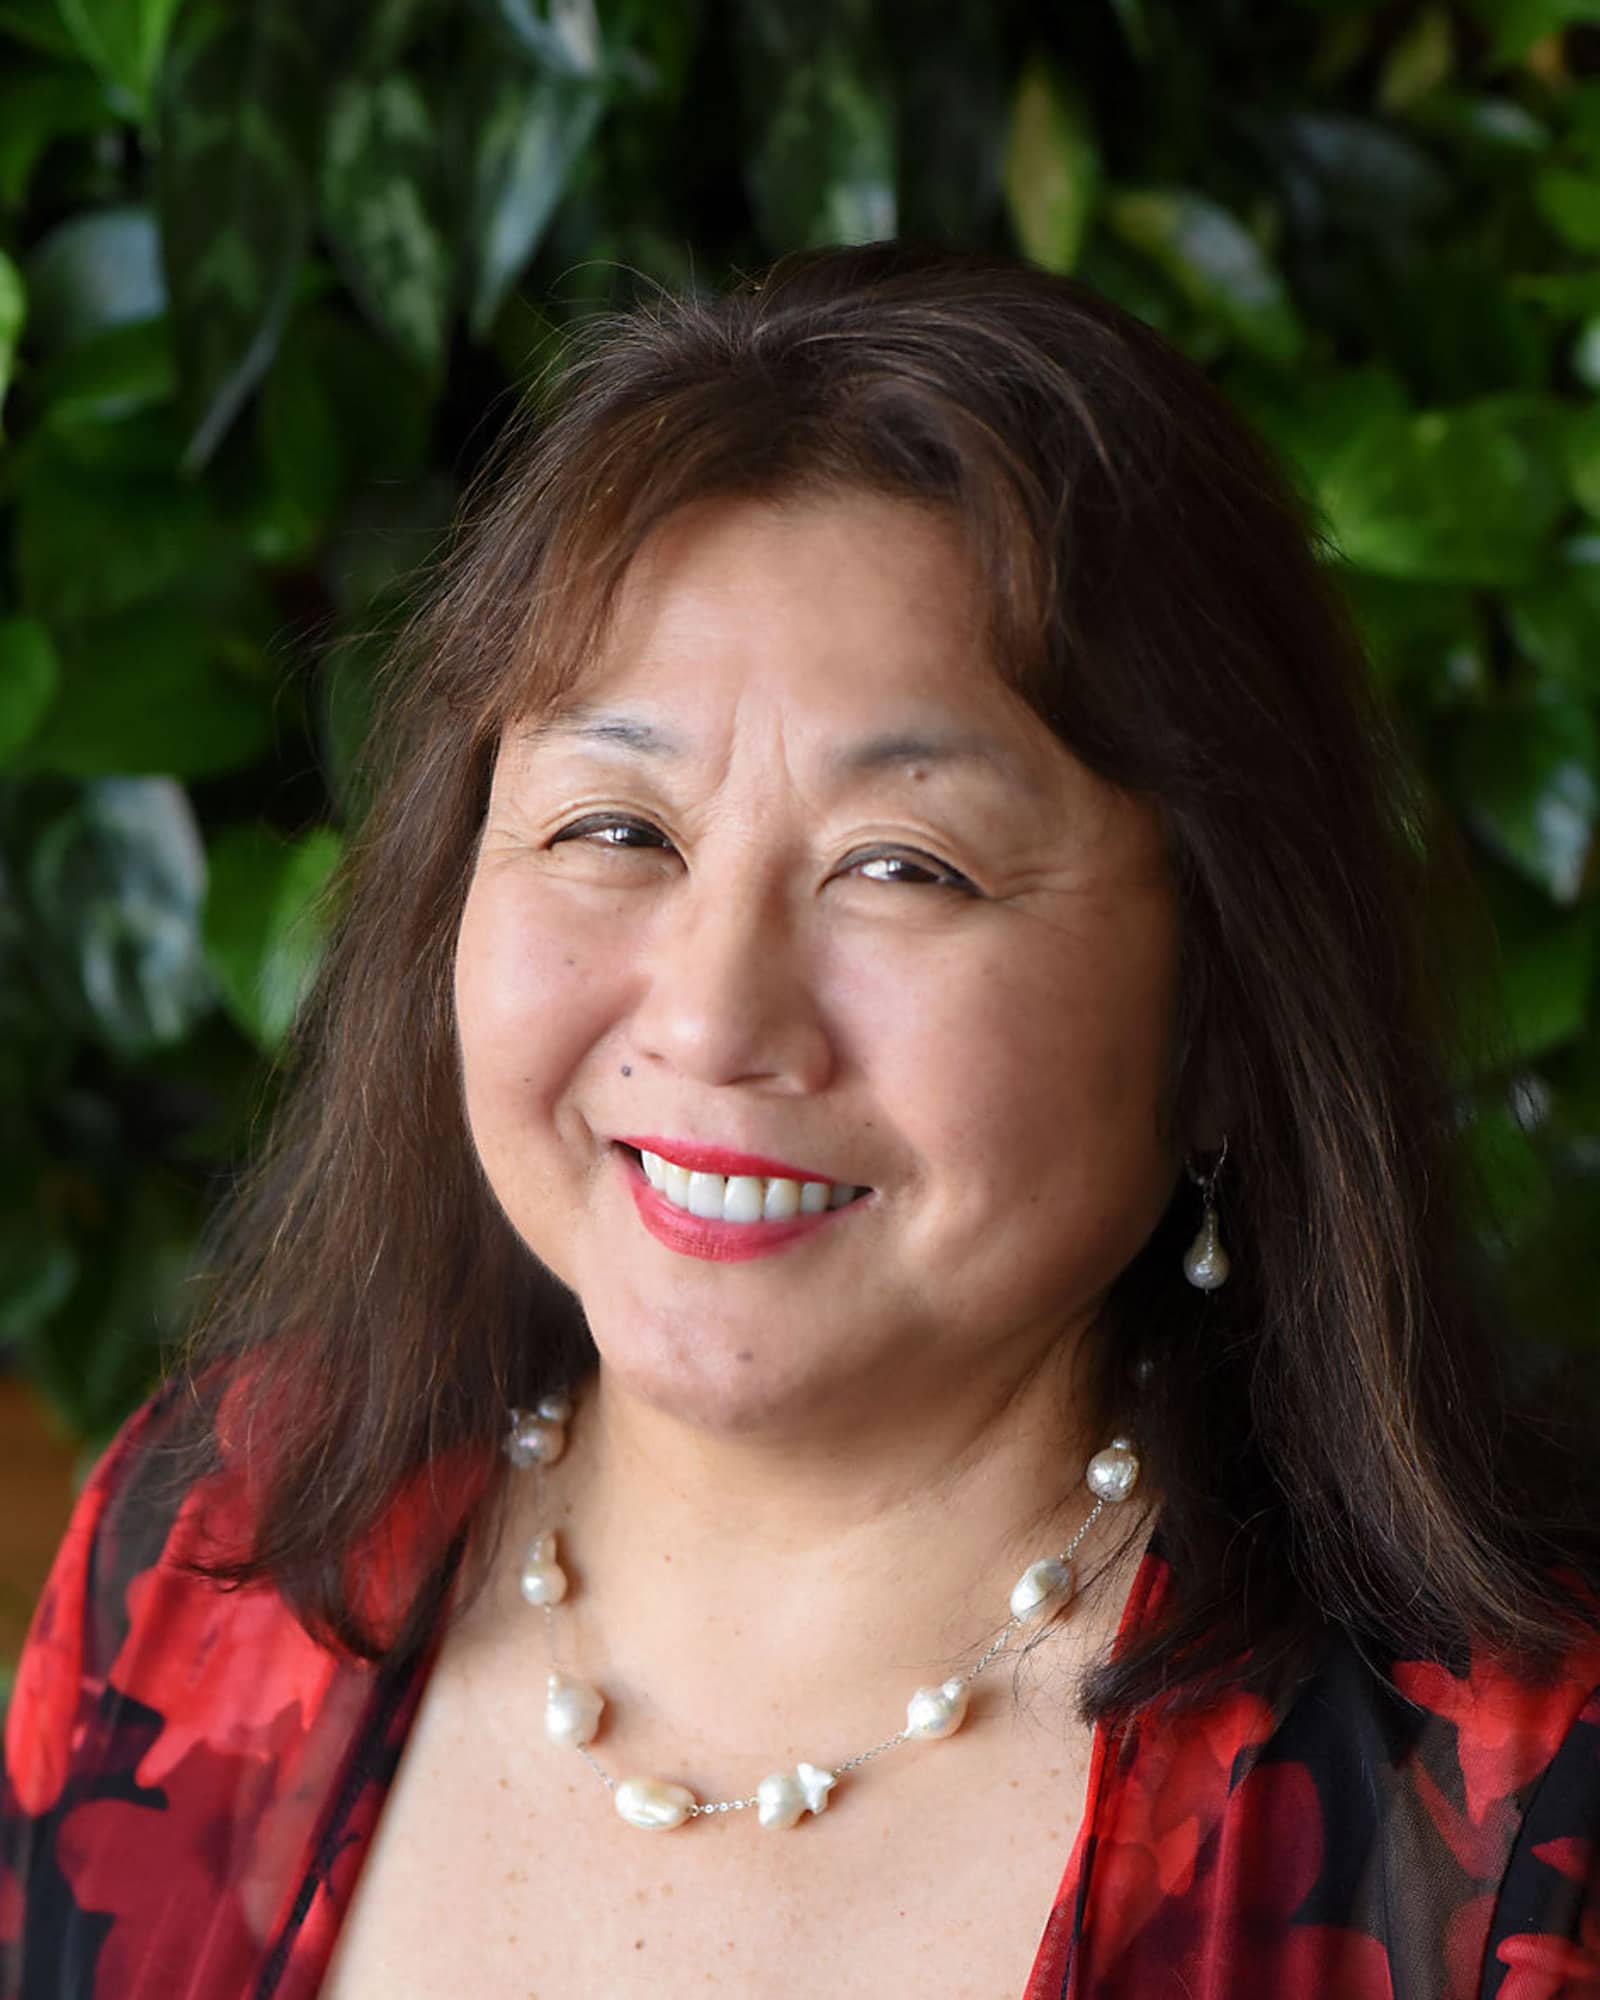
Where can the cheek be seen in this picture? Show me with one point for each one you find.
(1040, 1073)
(525, 1000)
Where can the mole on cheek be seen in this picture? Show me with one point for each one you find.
(627, 1069)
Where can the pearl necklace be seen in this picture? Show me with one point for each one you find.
(573, 1706)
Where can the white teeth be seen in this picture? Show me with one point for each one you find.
(742, 1202)
(781, 1200)
(706, 1192)
(741, 1197)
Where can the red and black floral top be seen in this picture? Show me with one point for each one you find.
(191, 1787)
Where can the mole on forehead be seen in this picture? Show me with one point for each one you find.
(937, 749)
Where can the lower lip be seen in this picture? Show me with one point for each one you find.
(719, 1242)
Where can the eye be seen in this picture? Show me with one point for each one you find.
(912, 870)
(607, 831)
(907, 868)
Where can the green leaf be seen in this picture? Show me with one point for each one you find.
(13, 310)
(1497, 129)
(1418, 62)
(562, 36)
(29, 672)
(1452, 322)
(101, 1352)
(1214, 262)
(1311, 419)
(241, 94)
(154, 690)
(1506, 1165)
(96, 271)
(1547, 965)
(1528, 774)
(1052, 169)
(1585, 355)
(1556, 625)
(93, 537)
(38, 105)
(1345, 172)
(379, 200)
(1570, 203)
(1423, 638)
(1583, 460)
(36, 1274)
(118, 883)
(123, 39)
(1515, 25)
(820, 140)
(1467, 495)
(115, 375)
(302, 446)
(37, 24)
(952, 82)
(1135, 26)
(529, 127)
(385, 537)
(1567, 294)
(264, 926)
(342, 423)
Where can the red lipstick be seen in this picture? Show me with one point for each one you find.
(717, 1160)
(715, 1241)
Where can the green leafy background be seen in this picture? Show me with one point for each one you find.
(270, 275)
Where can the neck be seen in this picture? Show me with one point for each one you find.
(809, 1578)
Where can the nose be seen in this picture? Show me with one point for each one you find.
(728, 989)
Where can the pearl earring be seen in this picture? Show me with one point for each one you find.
(1205, 1262)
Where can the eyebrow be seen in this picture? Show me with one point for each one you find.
(947, 748)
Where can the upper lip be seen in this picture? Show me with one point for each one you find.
(719, 1160)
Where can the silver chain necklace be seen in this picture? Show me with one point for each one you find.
(573, 1706)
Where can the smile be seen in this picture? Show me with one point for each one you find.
(741, 1198)
(712, 1236)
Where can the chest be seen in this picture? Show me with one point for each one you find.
(934, 1872)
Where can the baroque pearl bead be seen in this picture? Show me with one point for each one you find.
(1043, 1589)
(544, 1581)
(933, 1712)
(1113, 1473)
(1205, 1262)
(782, 1796)
(534, 1440)
(652, 1803)
(571, 1710)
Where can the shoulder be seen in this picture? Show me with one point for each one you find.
(1386, 1827)
(127, 1639)
(170, 1743)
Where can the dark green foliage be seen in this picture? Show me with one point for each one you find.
(270, 274)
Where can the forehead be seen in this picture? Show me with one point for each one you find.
(844, 642)
(848, 614)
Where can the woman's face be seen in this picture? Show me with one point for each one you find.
(801, 879)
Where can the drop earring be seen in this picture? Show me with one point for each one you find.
(1205, 1262)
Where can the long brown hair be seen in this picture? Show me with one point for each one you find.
(1328, 1430)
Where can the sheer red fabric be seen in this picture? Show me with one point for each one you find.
(191, 1787)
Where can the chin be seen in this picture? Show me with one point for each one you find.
(728, 1387)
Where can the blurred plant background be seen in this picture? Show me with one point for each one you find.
(271, 274)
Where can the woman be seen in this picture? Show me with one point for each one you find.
(888, 889)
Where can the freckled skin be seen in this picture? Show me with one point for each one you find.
(989, 1062)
